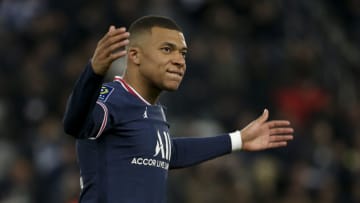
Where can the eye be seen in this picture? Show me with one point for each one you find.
(166, 49)
(184, 54)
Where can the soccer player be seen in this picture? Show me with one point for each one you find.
(124, 146)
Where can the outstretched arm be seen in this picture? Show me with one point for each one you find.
(261, 134)
(258, 135)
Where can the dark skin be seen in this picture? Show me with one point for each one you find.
(156, 62)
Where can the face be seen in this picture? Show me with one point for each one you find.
(162, 58)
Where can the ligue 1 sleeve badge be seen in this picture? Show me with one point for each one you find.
(105, 93)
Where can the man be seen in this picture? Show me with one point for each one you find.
(127, 149)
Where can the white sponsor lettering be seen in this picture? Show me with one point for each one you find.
(163, 148)
(163, 145)
(150, 162)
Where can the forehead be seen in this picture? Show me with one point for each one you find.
(163, 35)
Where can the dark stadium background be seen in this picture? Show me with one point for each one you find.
(298, 58)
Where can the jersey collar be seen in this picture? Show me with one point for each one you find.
(130, 89)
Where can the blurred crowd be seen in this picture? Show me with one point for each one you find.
(298, 58)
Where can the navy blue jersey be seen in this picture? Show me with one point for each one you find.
(124, 147)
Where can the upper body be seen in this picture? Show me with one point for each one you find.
(127, 147)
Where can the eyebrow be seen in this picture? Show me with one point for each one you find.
(174, 46)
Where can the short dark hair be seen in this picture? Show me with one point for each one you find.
(145, 23)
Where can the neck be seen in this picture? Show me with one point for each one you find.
(143, 88)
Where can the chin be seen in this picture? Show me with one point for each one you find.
(171, 87)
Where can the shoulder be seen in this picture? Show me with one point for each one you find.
(105, 92)
(109, 90)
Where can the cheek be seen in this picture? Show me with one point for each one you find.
(159, 63)
(152, 65)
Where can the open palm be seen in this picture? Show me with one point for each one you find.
(262, 134)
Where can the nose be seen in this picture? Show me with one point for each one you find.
(179, 60)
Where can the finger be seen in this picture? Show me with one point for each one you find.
(111, 28)
(115, 31)
(117, 55)
(113, 49)
(104, 45)
(278, 123)
(116, 39)
(277, 144)
(281, 138)
(111, 32)
(117, 46)
(264, 116)
(109, 55)
(277, 131)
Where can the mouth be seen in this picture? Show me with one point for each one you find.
(175, 73)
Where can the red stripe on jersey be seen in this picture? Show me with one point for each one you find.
(125, 85)
(130, 89)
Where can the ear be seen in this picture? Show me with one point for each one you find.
(134, 55)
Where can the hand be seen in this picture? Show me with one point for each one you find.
(262, 134)
(106, 49)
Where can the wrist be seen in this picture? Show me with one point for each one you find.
(98, 70)
(236, 140)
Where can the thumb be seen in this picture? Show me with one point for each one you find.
(264, 116)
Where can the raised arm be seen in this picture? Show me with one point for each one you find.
(109, 48)
(83, 98)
